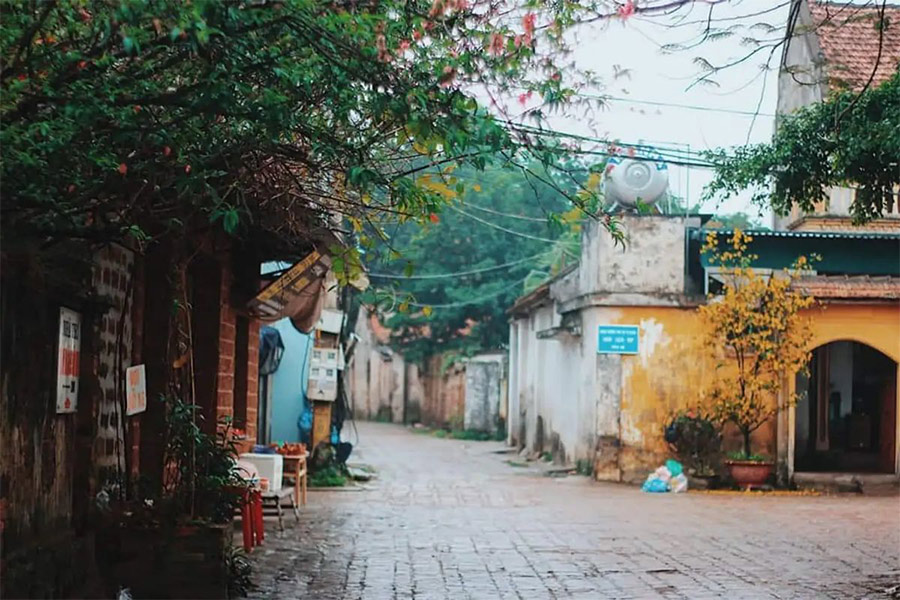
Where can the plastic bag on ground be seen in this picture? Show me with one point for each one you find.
(655, 486)
(662, 474)
(674, 467)
(679, 483)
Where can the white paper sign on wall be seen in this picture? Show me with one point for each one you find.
(135, 390)
(69, 361)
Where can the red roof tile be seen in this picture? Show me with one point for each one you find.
(849, 37)
(850, 287)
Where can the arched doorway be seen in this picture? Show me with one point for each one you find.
(846, 418)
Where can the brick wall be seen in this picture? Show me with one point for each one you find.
(227, 333)
(232, 378)
(111, 279)
(252, 378)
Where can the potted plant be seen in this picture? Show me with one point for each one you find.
(178, 543)
(756, 329)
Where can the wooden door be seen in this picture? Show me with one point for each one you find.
(888, 424)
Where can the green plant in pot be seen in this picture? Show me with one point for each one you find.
(757, 331)
(176, 541)
(201, 477)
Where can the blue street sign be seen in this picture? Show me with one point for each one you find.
(617, 339)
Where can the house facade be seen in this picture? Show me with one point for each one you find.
(70, 429)
(570, 396)
(609, 408)
(836, 46)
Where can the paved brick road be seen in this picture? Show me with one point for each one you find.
(449, 519)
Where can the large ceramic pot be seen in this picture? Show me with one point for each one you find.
(749, 473)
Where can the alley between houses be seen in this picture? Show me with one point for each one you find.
(454, 519)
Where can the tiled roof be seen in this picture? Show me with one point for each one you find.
(849, 38)
(850, 287)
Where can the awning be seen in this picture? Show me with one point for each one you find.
(298, 293)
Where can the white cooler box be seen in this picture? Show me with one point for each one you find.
(270, 466)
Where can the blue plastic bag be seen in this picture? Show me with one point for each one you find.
(655, 486)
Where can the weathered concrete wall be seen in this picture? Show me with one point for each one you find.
(415, 393)
(652, 261)
(801, 82)
(484, 378)
(377, 374)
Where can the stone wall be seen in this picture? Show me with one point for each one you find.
(377, 374)
(484, 376)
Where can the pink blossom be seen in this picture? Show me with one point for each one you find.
(524, 98)
(528, 24)
(404, 45)
(556, 76)
(462, 5)
(627, 9)
(497, 44)
(437, 8)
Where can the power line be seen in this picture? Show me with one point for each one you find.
(504, 229)
(503, 214)
(675, 156)
(732, 111)
(472, 300)
(459, 273)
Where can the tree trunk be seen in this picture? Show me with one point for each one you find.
(746, 434)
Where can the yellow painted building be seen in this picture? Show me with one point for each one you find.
(610, 409)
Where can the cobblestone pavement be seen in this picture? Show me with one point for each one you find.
(450, 519)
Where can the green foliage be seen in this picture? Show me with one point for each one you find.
(139, 117)
(850, 139)
(738, 220)
(203, 482)
(585, 467)
(739, 455)
(696, 438)
(330, 476)
(465, 313)
(471, 435)
(239, 571)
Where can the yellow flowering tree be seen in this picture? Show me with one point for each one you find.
(757, 327)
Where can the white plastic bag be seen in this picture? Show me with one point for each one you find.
(662, 474)
(679, 483)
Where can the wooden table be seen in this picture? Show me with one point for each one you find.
(295, 468)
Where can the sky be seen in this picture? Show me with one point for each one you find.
(653, 76)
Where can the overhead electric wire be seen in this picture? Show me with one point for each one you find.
(471, 301)
(503, 214)
(748, 113)
(504, 229)
(459, 273)
(673, 156)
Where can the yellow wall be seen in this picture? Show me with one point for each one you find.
(877, 325)
(674, 369)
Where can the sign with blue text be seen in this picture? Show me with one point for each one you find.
(617, 339)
